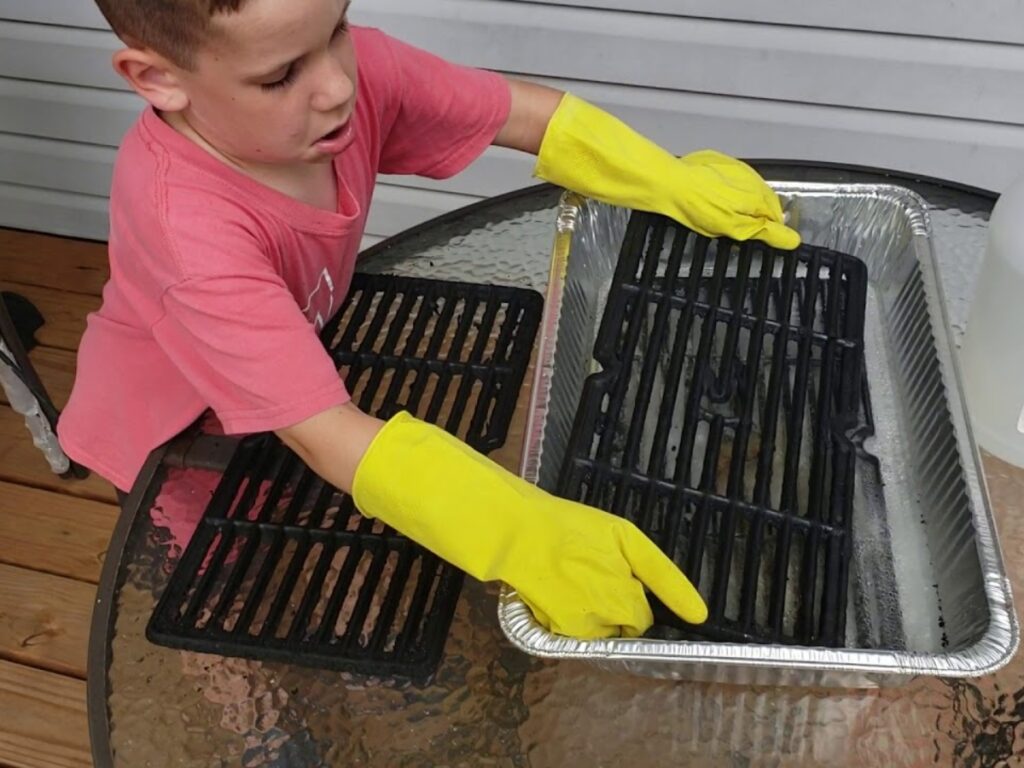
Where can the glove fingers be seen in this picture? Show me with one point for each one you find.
(638, 617)
(763, 202)
(779, 236)
(540, 615)
(741, 176)
(660, 574)
(621, 611)
(702, 156)
(774, 234)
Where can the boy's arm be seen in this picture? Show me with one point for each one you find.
(581, 571)
(532, 108)
(583, 148)
(333, 442)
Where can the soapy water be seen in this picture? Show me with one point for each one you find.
(915, 603)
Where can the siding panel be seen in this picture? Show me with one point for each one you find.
(972, 80)
(979, 153)
(58, 55)
(72, 13)
(991, 20)
(884, 72)
(959, 19)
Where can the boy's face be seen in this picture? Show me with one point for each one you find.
(275, 82)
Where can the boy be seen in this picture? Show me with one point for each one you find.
(238, 203)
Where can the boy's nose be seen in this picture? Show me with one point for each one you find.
(334, 86)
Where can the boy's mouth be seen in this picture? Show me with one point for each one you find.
(335, 141)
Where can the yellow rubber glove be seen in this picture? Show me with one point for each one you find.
(591, 152)
(580, 570)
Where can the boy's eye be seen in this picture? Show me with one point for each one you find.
(284, 82)
(289, 76)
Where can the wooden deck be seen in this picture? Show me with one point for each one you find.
(53, 532)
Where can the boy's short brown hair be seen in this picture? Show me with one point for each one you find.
(173, 28)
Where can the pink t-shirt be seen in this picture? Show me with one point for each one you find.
(219, 284)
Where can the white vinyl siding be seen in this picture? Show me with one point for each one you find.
(924, 87)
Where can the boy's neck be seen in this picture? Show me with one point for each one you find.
(312, 183)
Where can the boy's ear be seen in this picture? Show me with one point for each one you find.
(153, 77)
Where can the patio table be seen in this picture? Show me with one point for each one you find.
(488, 704)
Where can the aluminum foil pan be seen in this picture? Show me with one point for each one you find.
(928, 589)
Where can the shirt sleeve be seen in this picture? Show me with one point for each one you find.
(446, 115)
(248, 350)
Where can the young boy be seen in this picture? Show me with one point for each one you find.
(238, 204)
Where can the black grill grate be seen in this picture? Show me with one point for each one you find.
(282, 566)
(725, 422)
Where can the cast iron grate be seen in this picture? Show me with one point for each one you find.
(725, 421)
(282, 566)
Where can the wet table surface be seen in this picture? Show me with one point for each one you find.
(488, 704)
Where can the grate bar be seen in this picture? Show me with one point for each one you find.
(429, 571)
(355, 625)
(678, 302)
(245, 558)
(300, 623)
(755, 541)
(462, 327)
(389, 611)
(353, 556)
(794, 436)
(225, 541)
(816, 501)
(648, 375)
(720, 587)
